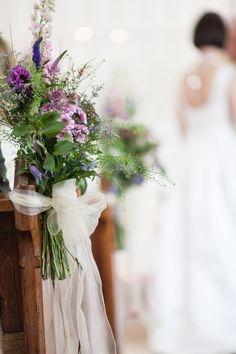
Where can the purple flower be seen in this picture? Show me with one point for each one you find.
(137, 179)
(57, 96)
(50, 71)
(38, 175)
(89, 166)
(80, 115)
(80, 133)
(18, 77)
(113, 189)
(67, 130)
(36, 53)
(59, 103)
(52, 107)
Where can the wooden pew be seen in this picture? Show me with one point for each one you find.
(20, 275)
(20, 270)
(103, 251)
(103, 248)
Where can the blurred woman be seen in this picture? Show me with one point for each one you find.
(4, 64)
(231, 42)
(194, 280)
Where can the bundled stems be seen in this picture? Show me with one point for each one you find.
(55, 262)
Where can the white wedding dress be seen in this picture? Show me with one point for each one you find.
(194, 272)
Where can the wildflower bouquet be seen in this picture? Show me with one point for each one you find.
(53, 123)
(133, 142)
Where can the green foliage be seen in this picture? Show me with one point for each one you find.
(62, 147)
(21, 130)
(48, 118)
(52, 130)
(40, 92)
(82, 184)
(125, 160)
(49, 163)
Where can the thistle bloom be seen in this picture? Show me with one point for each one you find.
(57, 96)
(67, 130)
(52, 107)
(80, 133)
(18, 77)
(50, 71)
(59, 103)
(80, 115)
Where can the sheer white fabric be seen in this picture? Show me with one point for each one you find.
(74, 310)
(194, 286)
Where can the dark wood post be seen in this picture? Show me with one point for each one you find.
(103, 251)
(103, 247)
(20, 272)
(29, 243)
(10, 285)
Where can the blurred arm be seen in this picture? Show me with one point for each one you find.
(180, 110)
(232, 100)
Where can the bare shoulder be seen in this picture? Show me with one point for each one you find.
(232, 96)
(189, 78)
(233, 81)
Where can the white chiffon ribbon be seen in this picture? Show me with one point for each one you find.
(74, 310)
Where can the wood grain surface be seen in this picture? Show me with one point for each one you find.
(12, 343)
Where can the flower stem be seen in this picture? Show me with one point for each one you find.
(55, 263)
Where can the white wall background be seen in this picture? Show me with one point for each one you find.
(148, 66)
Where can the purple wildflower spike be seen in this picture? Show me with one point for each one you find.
(38, 175)
(36, 53)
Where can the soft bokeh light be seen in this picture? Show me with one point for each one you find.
(119, 36)
(83, 34)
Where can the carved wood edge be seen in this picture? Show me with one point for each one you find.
(5, 203)
(24, 182)
(30, 263)
(107, 214)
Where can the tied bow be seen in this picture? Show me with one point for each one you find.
(74, 310)
(66, 209)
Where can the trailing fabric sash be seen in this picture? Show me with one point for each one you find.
(74, 311)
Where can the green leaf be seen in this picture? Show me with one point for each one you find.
(53, 129)
(43, 184)
(49, 163)
(63, 146)
(21, 129)
(60, 57)
(82, 184)
(49, 117)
